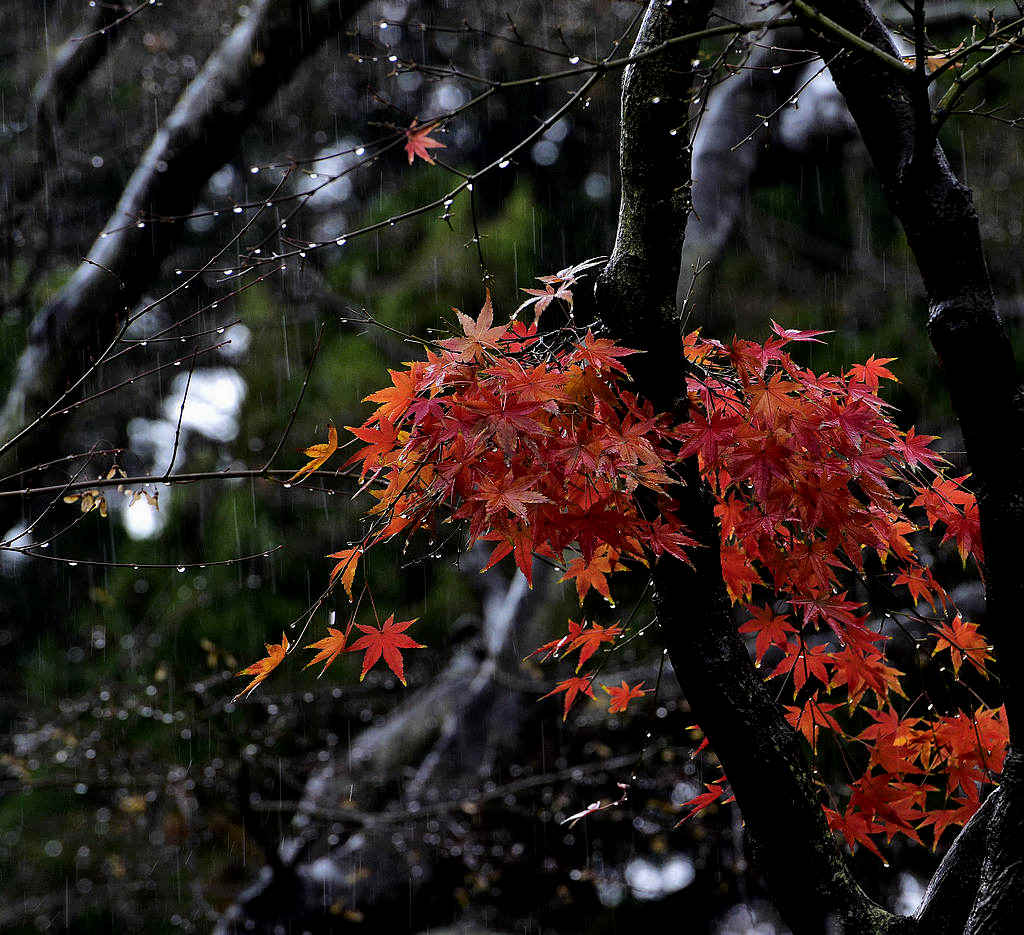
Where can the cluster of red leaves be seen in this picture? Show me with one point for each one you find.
(811, 476)
(536, 444)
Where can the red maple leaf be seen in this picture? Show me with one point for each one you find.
(385, 642)
(578, 684)
(621, 695)
(592, 574)
(514, 494)
(520, 541)
(590, 639)
(791, 334)
(552, 648)
(771, 629)
(380, 443)
(812, 718)
(804, 661)
(698, 803)
(601, 353)
(419, 143)
(871, 371)
(913, 449)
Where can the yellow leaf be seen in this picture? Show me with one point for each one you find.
(263, 667)
(318, 455)
(329, 648)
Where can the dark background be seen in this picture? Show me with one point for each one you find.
(133, 795)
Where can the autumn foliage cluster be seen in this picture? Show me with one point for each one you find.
(535, 444)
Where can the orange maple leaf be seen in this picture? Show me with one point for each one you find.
(591, 574)
(621, 695)
(964, 641)
(263, 667)
(385, 642)
(395, 399)
(331, 646)
(318, 455)
(419, 143)
(348, 559)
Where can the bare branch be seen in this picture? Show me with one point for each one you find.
(198, 137)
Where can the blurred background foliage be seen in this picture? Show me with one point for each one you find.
(127, 778)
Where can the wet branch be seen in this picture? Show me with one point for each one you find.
(762, 755)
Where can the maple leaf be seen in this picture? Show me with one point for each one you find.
(330, 647)
(601, 353)
(771, 629)
(700, 802)
(872, 371)
(772, 397)
(673, 538)
(941, 819)
(965, 528)
(542, 298)
(394, 399)
(318, 455)
(524, 334)
(863, 671)
(519, 541)
(813, 717)
(621, 695)
(921, 583)
(480, 335)
(419, 143)
(590, 639)
(738, 572)
(578, 684)
(964, 641)
(348, 559)
(855, 828)
(385, 643)
(913, 449)
(792, 335)
(803, 662)
(380, 443)
(592, 574)
(509, 493)
(263, 667)
(552, 648)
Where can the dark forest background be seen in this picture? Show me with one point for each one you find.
(134, 796)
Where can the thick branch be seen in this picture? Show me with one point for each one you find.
(941, 224)
(54, 94)
(999, 903)
(763, 757)
(655, 165)
(952, 888)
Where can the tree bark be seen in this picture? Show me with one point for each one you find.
(762, 755)
(941, 223)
